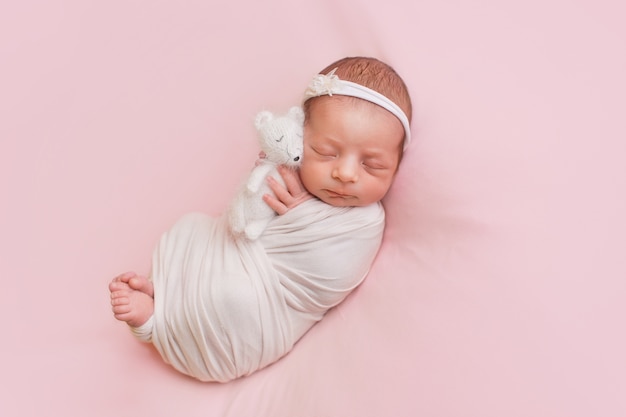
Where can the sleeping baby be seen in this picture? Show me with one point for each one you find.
(217, 306)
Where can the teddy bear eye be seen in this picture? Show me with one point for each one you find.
(281, 138)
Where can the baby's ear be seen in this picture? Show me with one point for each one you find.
(297, 114)
(262, 118)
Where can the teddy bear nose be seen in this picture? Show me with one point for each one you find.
(296, 159)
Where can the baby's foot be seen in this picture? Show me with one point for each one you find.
(129, 305)
(137, 282)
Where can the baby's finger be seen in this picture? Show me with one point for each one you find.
(274, 204)
(292, 180)
(282, 194)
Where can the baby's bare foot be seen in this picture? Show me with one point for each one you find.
(129, 305)
(137, 282)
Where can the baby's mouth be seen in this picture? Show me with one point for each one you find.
(335, 194)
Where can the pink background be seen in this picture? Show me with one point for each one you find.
(500, 287)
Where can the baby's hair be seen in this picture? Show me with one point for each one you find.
(375, 74)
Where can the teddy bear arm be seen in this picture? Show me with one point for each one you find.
(257, 177)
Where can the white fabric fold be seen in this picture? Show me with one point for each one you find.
(226, 307)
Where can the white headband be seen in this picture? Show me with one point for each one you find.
(330, 84)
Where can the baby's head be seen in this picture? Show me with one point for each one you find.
(356, 128)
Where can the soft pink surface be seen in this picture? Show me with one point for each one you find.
(500, 287)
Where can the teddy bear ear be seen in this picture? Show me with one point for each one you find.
(262, 118)
(297, 113)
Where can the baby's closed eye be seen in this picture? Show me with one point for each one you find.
(324, 151)
(374, 164)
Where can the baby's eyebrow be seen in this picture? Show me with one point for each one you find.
(330, 140)
(374, 153)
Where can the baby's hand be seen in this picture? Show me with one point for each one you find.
(286, 197)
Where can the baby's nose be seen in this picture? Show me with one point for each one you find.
(345, 172)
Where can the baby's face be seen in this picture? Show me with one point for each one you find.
(351, 151)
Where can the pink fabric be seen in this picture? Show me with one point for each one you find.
(499, 289)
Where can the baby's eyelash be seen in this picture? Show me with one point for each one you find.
(323, 152)
(374, 165)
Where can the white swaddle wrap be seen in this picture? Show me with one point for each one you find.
(225, 308)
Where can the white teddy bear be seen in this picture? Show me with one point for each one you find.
(280, 138)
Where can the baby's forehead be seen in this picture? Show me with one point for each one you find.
(340, 102)
(346, 101)
(325, 111)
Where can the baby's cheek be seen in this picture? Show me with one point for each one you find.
(312, 184)
(308, 167)
(305, 175)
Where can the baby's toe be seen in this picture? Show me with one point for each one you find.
(119, 298)
(126, 276)
(118, 286)
(142, 284)
(120, 308)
